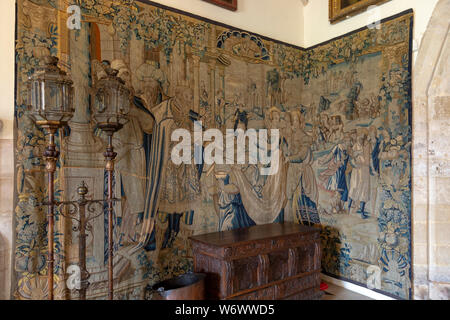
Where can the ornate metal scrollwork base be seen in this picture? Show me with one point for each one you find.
(83, 211)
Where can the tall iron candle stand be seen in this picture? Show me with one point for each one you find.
(111, 107)
(51, 100)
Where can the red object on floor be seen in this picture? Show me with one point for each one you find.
(323, 286)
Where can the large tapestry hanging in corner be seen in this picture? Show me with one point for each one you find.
(343, 107)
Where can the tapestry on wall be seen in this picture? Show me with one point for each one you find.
(344, 113)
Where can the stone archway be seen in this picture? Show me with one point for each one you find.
(431, 160)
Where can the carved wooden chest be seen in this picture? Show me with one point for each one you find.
(266, 262)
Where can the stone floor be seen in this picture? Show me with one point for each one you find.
(339, 293)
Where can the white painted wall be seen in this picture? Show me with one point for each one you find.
(277, 19)
(7, 23)
(318, 29)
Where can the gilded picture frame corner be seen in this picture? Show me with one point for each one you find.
(340, 10)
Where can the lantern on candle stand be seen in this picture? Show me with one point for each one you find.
(111, 108)
(51, 107)
(111, 103)
(50, 95)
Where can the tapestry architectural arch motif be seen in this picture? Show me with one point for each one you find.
(243, 44)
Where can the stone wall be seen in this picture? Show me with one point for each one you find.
(431, 161)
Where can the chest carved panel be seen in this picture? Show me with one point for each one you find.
(267, 262)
